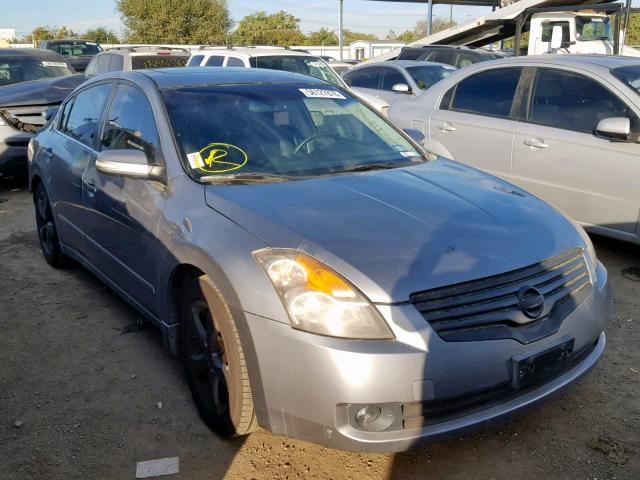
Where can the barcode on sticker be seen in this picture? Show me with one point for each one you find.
(54, 64)
(322, 93)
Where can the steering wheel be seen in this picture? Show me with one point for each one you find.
(310, 139)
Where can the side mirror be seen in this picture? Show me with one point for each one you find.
(614, 128)
(128, 163)
(416, 135)
(50, 112)
(556, 37)
(401, 88)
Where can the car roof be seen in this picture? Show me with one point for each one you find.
(403, 64)
(29, 52)
(587, 61)
(142, 49)
(253, 51)
(193, 76)
(68, 40)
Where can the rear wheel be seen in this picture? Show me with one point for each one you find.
(214, 360)
(47, 233)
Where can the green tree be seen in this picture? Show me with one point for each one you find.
(175, 21)
(350, 37)
(260, 28)
(633, 30)
(101, 35)
(437, 25)
(407, 36)
(321, 37)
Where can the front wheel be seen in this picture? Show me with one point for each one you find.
(47, 233)
(214, 360)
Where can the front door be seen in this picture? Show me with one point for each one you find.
(557, 156)
(124, 212)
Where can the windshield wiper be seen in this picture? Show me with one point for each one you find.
(366, 167)
(245, 177)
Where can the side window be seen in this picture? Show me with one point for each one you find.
(487, 93)
(465, 59)
(64, 115)
(572, 101)
(103, 63)
(234, 62)
(116, 64)
(547, 31)
(215, 61)
(445, 55)
(366, 77)
(82, 120)
(195, 61)
(130, 123)
(391, 77)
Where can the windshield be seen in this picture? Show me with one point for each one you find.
(15, 70)
(140, 62)
(310, 66)
(427, 76)
(629, 75)
(293, 130)
(593, 28)
(75, 49)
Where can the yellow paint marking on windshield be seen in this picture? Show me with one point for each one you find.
(220, 158)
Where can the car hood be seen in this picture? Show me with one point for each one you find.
(395, 232)
(46, 91)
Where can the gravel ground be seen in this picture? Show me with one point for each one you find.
(86, 392)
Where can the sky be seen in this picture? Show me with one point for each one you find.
(377, 17)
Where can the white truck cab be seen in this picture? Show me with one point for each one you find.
(581, 33)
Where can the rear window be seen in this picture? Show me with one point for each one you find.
(140, 62)
(412, 53)
(74, 49)
(16, 69)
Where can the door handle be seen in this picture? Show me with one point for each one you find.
(91, 187)
(447, 127)
(535, 143)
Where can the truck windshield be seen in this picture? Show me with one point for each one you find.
(16, 69)
(263, 131)
(76, 49)
(629, 75)
(590, 28)
(310, 66)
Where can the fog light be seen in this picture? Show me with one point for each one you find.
(368, 414)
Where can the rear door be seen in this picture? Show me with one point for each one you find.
(123, 213)
(558, 157)
(72, 147)
(475, 120)
(365, 79)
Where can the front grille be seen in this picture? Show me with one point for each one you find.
(488, 309)
(26, 119)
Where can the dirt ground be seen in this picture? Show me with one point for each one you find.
(85, 393)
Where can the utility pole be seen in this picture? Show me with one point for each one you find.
(430, 19)
(340, 30)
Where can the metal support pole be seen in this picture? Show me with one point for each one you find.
(627, 13)
(616, 34)
(516, 43)
(340, 31)
(430, 18)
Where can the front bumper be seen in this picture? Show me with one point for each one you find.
(13, 150)
(307, 386)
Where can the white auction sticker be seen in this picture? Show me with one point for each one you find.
(54, 64)
(321, 93)
(195, 160)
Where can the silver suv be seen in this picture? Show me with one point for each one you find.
(136, 58)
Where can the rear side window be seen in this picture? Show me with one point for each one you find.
(444, 55)
(195, 61)
(234, 62)
(116, 64)
(215, 61)
(130, 124)
(103, 63)
(488, 93)
(391, 77)
(364, 77)
(572, 101)
(467, 58)
(82, 121)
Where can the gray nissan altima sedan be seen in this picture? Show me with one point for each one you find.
(319, 273)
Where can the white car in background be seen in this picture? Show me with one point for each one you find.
(278, 58)
(564, 127)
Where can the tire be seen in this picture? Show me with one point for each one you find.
(213, 360)
(47, 232)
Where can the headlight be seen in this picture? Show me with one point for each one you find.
(319, 300)
(591, 252)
